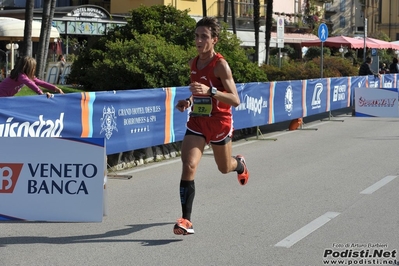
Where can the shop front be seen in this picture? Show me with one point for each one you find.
(85, 24)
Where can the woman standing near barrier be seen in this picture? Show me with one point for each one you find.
(24, 74)
(213, 93)
(61, 65)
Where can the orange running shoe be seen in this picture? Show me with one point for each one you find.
(183, 227)
(243, 178)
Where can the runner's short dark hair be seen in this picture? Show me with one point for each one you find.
(212, 23)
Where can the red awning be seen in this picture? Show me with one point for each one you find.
(339, 41)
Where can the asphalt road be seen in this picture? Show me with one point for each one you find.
(314, 197)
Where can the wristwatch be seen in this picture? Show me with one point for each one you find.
(213, 91)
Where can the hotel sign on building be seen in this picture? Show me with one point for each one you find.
(86, 20)
(75, 20)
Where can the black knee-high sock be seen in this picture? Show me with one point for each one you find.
(187, 193)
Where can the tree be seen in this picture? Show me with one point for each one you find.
(233, 16)
(47, 19)
(226, 10)
(256, 26)
(167, 22)
(269, 22)
(151, 51)
(243, 69)
(145, 62)
(204, 8)
(27, 48)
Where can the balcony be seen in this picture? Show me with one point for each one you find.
(329, 9)
(243, 13)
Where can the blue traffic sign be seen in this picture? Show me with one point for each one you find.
(323, 32)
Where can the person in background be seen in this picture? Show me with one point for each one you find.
(24, 75)
(365, 68)
(383, 69)
(394, 67)
(61, 66)
(213, 93)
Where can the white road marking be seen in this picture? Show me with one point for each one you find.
(371, 189)
(306, 230)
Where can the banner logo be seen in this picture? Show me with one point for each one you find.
(316, 101)
(108, 121)
(388, 84)
(383, 102)
(252, 104)
(9, 174)
(288, 100)
(374, 84)
(39, 128)
(339, 93)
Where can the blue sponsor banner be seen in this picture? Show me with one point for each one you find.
(339, 93)
(130, 119)
(254, 107)
(389, 81)
(358, 82)
(287, 100)
(373, 81)
(37, 116)
(179, 119)
(315, 96)
(134, 119)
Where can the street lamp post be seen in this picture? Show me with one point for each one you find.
(343, 50)
(12, 47)
(54, 48)
(364, 37)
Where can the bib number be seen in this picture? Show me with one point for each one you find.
(202, 106)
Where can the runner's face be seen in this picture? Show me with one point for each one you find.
(203, 40)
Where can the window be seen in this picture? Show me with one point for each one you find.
(342, 22)
(342, 5)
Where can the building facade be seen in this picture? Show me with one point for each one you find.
(364, 17)
(389, 18)
(346, 17)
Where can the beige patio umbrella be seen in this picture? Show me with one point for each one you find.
(12, 30)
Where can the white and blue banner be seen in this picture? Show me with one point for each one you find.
(52, 179)
(376, 102)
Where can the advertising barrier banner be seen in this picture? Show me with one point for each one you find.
(287, 100)
(376, 102)
(135, 119)
(339, 93)
(254, 107)
(315, 99)
(52, 179)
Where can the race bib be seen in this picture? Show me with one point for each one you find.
(202, 106)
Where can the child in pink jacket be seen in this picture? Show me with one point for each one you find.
(24, 74)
